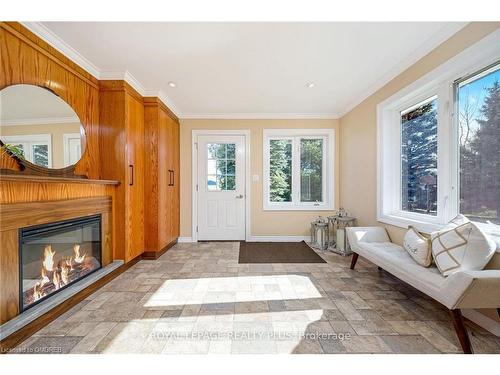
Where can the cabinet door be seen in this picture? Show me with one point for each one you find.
(176, 187)
(165, 196)
(134, 223)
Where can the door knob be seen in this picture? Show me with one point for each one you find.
(239, 196)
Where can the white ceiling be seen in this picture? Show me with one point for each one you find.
(239, 70)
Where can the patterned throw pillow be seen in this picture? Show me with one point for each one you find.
(461, 245)
(418, 246)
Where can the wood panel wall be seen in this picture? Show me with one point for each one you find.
(27, 59)
(161, 197)
(113, 117)
(24, 214)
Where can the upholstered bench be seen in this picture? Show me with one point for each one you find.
(462, 289)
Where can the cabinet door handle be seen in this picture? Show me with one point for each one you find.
(173, 178)
(131, 168)
(169, 177)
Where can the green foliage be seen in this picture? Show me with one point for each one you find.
(280, 171)
(311, 167)
(17, 151)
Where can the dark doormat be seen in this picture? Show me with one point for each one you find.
(277, 252)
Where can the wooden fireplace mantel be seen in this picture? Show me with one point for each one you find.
(14, 216)
(68, 180)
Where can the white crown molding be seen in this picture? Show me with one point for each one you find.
(55, 41)
(445, 33)
(41, 121)
(258, 116)
(110, 75)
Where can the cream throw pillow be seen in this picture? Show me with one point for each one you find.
(461, 245)
(418, 246)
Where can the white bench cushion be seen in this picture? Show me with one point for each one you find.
(395, 260)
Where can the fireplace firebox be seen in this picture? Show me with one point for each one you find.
(54, 256)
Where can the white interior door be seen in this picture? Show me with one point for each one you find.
(72, 148)
(221, 187)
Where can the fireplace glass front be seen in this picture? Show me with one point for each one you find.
(54, 256)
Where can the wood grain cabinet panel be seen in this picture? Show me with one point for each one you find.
(122, 147)
(161, 212)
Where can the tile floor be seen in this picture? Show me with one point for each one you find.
(197, 299)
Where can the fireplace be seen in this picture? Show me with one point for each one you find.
(53, 256)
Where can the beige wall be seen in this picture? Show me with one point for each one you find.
(358, 130)
(358, 136)
(56, 130)
(263, 223)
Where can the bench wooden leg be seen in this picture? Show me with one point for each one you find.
(463, 336)
(354, 260)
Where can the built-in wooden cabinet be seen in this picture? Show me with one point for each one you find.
(121, 112)
(161, 178)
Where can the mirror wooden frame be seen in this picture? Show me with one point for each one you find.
(25, 167)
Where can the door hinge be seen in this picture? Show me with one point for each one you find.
(196, 145)
(196, 187)
(197, 229)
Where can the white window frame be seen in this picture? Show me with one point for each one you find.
(440, 83)
(30, 140)
(327, 169)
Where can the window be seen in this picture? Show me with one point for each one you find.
(298, 169)
(221, 166)
(478, 104)
(35, 148)
(438, 144)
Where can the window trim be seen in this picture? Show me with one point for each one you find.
(328, 136)
(30, 140)
(440, 82)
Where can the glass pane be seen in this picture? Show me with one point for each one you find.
(211, 182)
(219, 167)
(231, 167)
(41, 155)
(311, 170)
(419, 158)
(479, 137)
(280, 170)
(221, 182)
(230, 148)
(211, 167)
(230, 183)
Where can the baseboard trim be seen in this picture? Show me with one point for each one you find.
(482, 320)
(153, 255)
(185, 239)
(278, 238)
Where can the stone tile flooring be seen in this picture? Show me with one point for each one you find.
(197, 299)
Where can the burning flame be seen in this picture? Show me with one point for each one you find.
(54, 275)
(78, 258)
(56, 280)
(48, 258)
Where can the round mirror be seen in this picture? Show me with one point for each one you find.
(38, 126)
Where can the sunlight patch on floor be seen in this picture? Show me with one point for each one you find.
(232, 289)
(237, 333)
